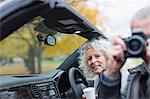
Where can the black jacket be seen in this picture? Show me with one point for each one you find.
(137, 87)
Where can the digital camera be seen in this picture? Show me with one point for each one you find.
(136, 44)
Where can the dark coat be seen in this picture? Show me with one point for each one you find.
(137, 87)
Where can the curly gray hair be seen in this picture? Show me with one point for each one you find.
(100, 45)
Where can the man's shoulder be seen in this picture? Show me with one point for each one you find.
(139, 69)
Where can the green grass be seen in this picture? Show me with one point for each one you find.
(138, 61)
(52, 63)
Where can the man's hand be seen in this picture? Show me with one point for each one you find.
(117, 57)
(147, 54)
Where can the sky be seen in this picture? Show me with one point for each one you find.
(119, 14)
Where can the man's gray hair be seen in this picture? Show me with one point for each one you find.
(100, 45)
(142, 13)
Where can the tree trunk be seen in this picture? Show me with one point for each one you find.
(29, 61)
(33, 61)
(39, 63)
(39, 58)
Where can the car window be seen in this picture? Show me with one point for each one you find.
(22, 53)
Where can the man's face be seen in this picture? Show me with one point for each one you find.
(142, 24)
(96, 60)
(145, 26)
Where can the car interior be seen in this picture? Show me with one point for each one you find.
(67, 81)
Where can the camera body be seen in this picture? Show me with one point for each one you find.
(136, 44)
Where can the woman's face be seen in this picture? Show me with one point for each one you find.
(96, 60)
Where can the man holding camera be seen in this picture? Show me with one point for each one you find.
(138, 83)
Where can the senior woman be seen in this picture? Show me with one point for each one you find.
(93, 59)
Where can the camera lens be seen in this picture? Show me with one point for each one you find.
(134, 44)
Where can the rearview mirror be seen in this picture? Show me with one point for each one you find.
(47, 39)
(50, 40)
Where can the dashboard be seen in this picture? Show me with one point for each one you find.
(53, 87)
(45, 90)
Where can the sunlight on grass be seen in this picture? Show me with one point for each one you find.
(19, 68)
(16, 68)
(50, 65)
(48, 68)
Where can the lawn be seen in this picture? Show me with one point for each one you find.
(20, 68)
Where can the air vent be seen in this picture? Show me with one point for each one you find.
(35, 91)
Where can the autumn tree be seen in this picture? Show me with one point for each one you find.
(23, 43)
(30, 50)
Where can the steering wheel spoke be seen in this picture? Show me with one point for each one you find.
(77, 82)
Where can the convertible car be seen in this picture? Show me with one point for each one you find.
(52, 20)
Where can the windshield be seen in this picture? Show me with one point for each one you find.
(22, 53)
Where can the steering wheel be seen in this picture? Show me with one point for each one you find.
(76, 76)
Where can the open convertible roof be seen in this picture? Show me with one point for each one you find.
(57, 16)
